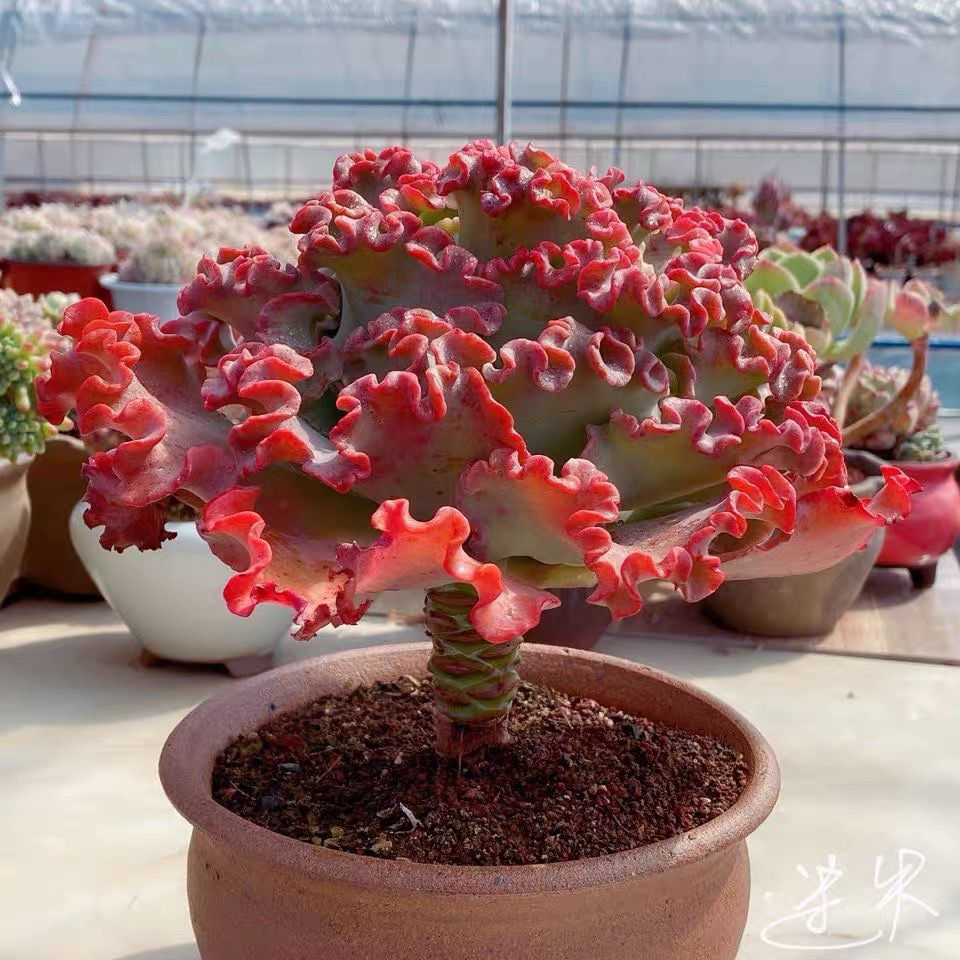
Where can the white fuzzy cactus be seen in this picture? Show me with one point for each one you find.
(57, 245)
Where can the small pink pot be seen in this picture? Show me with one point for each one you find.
(918, 541)
(255, 894)
(27, 276)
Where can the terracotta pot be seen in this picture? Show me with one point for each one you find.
(575, 623)
(255, 894)
(27, 276)
(801, 606)
(918, 541)
(14, 519)
(56, 484)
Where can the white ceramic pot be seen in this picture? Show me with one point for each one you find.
(158, 299)
(171, 599)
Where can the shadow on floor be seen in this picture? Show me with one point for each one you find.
(85, 669)
(180, 951)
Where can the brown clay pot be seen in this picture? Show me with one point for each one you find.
(575, 623)
(56, 484)
(806, 605)
(14, 519)
(256, 895)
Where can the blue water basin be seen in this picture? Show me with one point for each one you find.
(943, 365)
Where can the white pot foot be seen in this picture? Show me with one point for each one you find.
(248, 666)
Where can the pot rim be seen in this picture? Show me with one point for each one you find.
(187, 785)
(188, 527)
(112, 281)
(14, 261)
(946, 465)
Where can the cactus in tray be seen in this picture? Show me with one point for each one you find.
(483, 380)
(164, 256)
(56, 245)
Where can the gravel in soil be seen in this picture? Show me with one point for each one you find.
(359, 773)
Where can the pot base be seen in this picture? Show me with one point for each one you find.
(924, 577)
(249, 666)
(236, 667)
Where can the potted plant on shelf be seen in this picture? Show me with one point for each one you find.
(483, 381)
(837, 308)
(54, 480)
(153, 272)
(163, 259)
(890, 414)
(907, 434)
(175, 620)
(55, 259)
(22, 435)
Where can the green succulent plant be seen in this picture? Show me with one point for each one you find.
(910, 432)
(826, 297)
(22, 429)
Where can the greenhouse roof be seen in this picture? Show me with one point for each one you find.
(903, 19)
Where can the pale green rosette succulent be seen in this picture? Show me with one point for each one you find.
(822, 295)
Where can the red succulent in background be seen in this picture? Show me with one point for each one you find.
(482, 380)
(891, 240)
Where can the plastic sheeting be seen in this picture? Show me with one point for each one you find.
(900, 19)
(699, 91)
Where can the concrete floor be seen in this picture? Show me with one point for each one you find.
(93, 856)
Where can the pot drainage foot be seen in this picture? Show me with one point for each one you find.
(248, 666)
(924, 577)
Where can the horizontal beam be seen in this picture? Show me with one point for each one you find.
(336, 139)
(473, 102)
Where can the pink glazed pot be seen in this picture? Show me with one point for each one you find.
(918, 541)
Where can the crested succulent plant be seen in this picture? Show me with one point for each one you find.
(482, 380)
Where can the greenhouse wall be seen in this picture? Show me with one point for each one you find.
(258, 98)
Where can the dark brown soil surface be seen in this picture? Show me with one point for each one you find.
(359, 773)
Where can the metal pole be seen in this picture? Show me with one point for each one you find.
(564, 78)
(504, 71)
(824, 176)
(82, 87)
(408, 81)
(841, 130)
(194, 88)
(955, 200)
(622, 87)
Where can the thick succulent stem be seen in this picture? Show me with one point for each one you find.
(845, 390)
(475, 681)
(866, 425)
